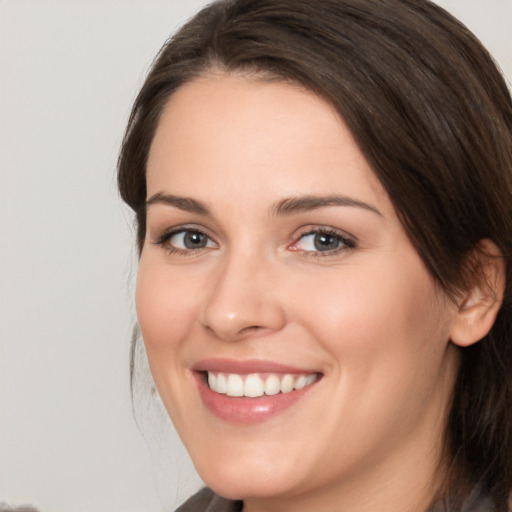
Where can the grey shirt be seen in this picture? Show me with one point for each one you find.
(207, 501)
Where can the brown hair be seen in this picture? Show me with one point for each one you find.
(433, 116)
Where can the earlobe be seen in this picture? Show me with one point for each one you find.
(479, 306)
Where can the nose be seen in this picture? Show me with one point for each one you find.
(243, 300)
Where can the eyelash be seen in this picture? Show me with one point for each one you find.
(344, 242)
(164, 240)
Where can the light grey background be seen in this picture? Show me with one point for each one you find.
(69, 71)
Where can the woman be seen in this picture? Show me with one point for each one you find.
(323, 199)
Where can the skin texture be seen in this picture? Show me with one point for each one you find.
(367, 316)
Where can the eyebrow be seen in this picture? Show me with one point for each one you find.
(288, 206)
(186, 204)
(305, 203)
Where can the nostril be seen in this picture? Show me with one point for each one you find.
(251, 328)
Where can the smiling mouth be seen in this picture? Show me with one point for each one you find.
(249, 392)
(255, 385)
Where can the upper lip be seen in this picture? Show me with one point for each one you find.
(247, 366)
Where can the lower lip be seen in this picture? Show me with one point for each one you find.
(244, 410)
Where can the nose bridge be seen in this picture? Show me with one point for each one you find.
(242, 299)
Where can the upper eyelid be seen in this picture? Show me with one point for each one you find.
(313, 229)
(171, 231)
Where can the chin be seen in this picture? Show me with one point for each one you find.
(251, 486)
(249, 478)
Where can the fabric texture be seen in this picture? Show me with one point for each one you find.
(207, 501)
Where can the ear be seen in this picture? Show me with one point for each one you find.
(479, 305)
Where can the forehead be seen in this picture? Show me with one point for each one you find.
(248, 135)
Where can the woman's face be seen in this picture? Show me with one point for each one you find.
(274, 260)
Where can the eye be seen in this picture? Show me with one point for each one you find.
(322, 241)
(185, 240)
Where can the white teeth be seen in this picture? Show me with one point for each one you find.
(300, 382)
(212, 380)
(254, 386)
(272, 385)
(310, 379)
(235, 385)
(221, 383)
(287, 383)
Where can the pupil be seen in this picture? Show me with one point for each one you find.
(194, 240)
(326, 242)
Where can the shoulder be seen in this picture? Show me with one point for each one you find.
(207, 501)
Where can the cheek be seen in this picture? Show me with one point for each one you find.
(386, 331)
(166, 307)
(388, 312)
